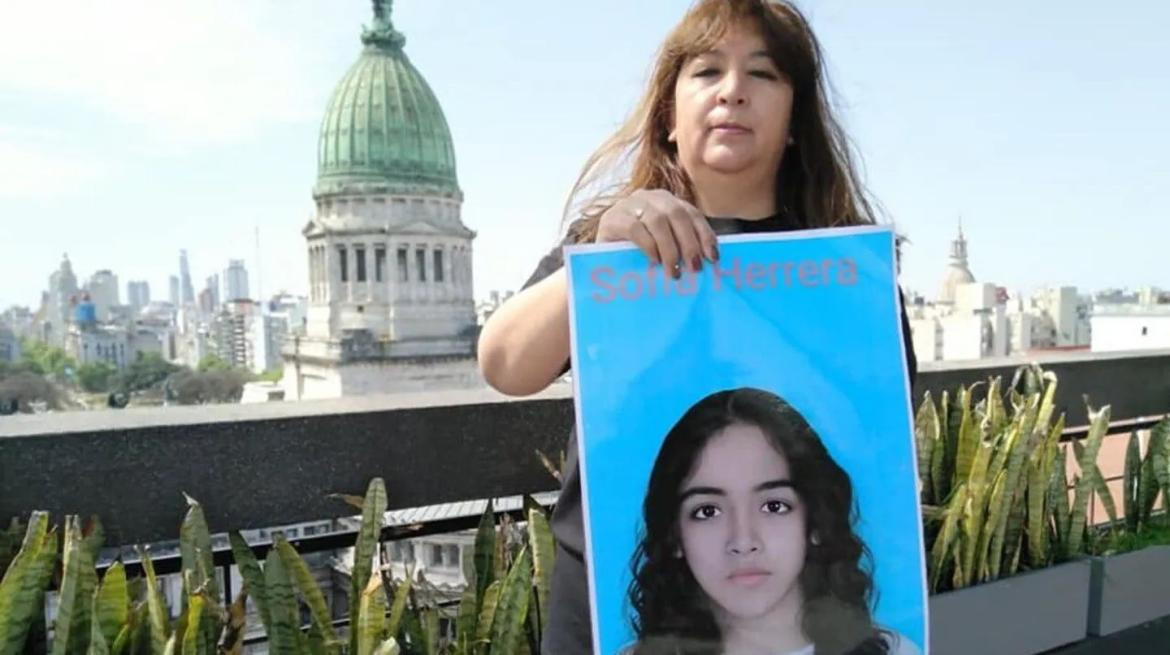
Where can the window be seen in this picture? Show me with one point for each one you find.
(343, 263)
(379, 264)
(1145, 330)
(420, 258)
(436, 555)
(408, 552)
(310, 530)
(359, 254)
(402, 265)
(438, 265)
(452, 555)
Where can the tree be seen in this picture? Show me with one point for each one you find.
(188, 387)
(146, 371)
(19, 391)
(96, 377)
(273, 375)
(49, 360)
(213, 363)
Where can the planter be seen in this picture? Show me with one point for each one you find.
(1021, 615)
(1129, 589)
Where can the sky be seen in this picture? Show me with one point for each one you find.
(131, 129)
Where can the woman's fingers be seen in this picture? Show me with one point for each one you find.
(657, 222)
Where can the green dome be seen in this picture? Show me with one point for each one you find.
(384, 131)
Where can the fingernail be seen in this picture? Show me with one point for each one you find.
(715, 252)
(696, 263)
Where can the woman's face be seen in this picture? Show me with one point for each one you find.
(732, 107)
(743, 526)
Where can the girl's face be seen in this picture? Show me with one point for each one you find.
(743, 527)
(732, 107)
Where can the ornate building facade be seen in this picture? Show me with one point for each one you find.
(390, 277)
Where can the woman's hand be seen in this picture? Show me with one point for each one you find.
(669, 230)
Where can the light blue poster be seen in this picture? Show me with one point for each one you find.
(746, 452)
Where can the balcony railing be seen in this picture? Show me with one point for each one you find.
(257, 466)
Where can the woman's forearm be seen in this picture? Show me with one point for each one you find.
(525, 344)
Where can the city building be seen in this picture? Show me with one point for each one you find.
(213, 292)
(103, 292)
(9, 345)
(187, 288)
(235, 281)
(174, 287)
(57, 305)
(390, 303)
(1140, 322)
(137, 294)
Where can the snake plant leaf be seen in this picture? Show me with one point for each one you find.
(968, 437)
(1099, 487)
(97, 641)
(1147, 491)
(195, 547)
(282, 607)
(373, 514)
(1130, 478)
(512, 608)
(22, 588)
(485, 552)
(926, 436)
(948, 536)
(193, 641)
(112, 607)
(1159, 447)
(307, 585)
(172, 646)
(1058, 500)
(372, 617)
(465, 622)
(156, 607)
(253, 576)
(543, 552)
(71, 628)
(974, 512)
(231, 641)
(487, 611)
(429, 620)
(398, 605)
(1098, 426)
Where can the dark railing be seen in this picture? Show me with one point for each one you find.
(256, 466)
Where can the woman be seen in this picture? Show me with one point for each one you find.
(733, 134)
(748, 544)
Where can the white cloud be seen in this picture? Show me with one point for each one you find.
(185, 73)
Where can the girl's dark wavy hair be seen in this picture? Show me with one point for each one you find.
(672, 613)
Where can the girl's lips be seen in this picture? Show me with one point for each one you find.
(731, 129)
(748, 578)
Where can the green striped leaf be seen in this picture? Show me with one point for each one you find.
(926, 437)
(282, 607)
(465, 621)
(487, 611)
(113, 603)
(485, 552)
(543, 553)
(157, 611)
(24, 582)
(195, 547)
(373, 513)
(371, 619)
(307, 585)
(512, 609)
(253, 576)
(398, 606)
(193, 641)
(1129, 484)
(232, 641)
(97, 641)
(1098, 426)
(71, 628)
(388, 647)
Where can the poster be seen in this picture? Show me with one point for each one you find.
(745, 437)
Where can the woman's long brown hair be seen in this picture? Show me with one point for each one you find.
(817, 185)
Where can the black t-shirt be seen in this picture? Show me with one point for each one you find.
(568, 522)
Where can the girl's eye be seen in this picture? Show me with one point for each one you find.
(776, 507)
(765, 74)
(704, 512)
(706, 72)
